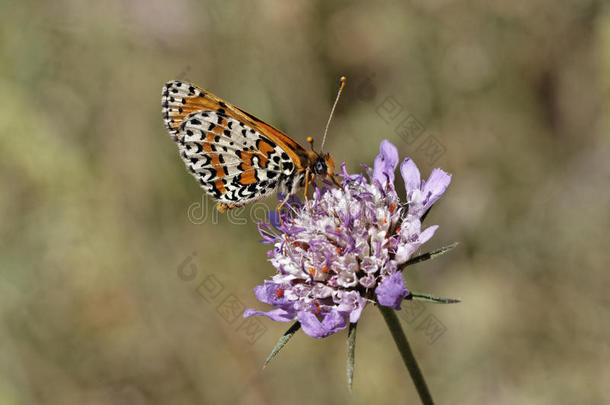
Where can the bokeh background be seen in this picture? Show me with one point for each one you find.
(119, 286)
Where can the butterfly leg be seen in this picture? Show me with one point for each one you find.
(307, 181)
(279, 208)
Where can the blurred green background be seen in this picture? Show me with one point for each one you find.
(118, 286)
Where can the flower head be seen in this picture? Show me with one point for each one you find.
(345, 249)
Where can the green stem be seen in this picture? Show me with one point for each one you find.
(351, 354)
(407, 355)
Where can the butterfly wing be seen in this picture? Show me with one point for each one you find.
(236, 157)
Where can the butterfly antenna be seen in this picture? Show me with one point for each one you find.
(342, 85)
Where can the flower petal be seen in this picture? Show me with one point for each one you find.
(271, 293)
(385, 163)
(392, 290)
(427, 234)
(435, 187)
(332, 322)
(274, 219)
(410, 174)
(278, 314)
(404, 252)
(351, 303)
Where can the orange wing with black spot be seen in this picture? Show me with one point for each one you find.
(236, 157)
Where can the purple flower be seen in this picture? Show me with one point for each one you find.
(391, 290)
(345, 250)
(421, 195)
(385, 163)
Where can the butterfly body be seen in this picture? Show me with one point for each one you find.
(236, 157)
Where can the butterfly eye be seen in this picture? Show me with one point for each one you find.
(319, 167)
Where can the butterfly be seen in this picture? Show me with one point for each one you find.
(236, 157)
